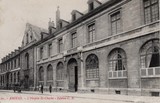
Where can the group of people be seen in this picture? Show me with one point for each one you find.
(41, 88)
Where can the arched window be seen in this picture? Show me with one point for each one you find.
(117, 60)
(14, 77)
(60, 71)
(150, 54)
(0, 80)
(11, 77)
(27, 60)
(18, 77)
(92, 67)
(41, 74)
(49, 72)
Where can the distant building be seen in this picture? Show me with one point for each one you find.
(18, 66)
(113, 48)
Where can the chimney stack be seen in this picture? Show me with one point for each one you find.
(57, 17)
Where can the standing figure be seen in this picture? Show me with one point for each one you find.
(41, 88)
(50, 88)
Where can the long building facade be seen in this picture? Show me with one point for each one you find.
(113, 48)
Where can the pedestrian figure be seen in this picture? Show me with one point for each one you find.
(41, 88)
(50, 88)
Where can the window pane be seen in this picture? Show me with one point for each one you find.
(91, 33)
(151, 10)
(155, 15)
(117, 60)
(146, 3)
(115, 23)
(92, 67)
(147, 15)
(151, 56)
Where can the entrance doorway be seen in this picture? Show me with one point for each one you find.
(73, 75)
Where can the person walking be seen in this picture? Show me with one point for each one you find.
(39, 88)
(50, 88)
(42, 89)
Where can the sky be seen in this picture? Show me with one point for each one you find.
(14, 14)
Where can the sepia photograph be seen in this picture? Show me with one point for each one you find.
(79, 51)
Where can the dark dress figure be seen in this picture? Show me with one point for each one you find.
(50, 88)
(41, 88)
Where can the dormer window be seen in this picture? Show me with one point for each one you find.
(76, 14)
(74, 17)
(31, 37)
(27, 38)
(60, 24)
(91, 6)
(41, 36)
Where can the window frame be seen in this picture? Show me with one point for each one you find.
(112, 60)
(60, 71)
(92, 72)
(41, 52)
(50, 49)
(60, 45)
(49, 72)
(40, 76)
(143, 53)
(150, 9)
(115, 21)
(74, 39)
(91, 6)
(91, 37)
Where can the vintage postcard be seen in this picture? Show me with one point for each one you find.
(79, 51)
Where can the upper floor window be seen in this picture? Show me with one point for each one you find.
(31, 37)
(27, 60)
(12, 64)
(41, 53)
(115, 23)
(18, 61)
(15, 63)
(91, 33)
(74, 39)
(49, 49)
(60, 45)
(151, 10)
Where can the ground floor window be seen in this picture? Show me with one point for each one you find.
(150, 54)
(117, 60)
(92, 67)
(49, 72)
(41, 74)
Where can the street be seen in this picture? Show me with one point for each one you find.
(8, 96)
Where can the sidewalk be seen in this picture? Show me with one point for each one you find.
(125, 98)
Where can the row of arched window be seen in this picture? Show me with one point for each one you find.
(59, 72)
(117, 60)
(14, 77)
